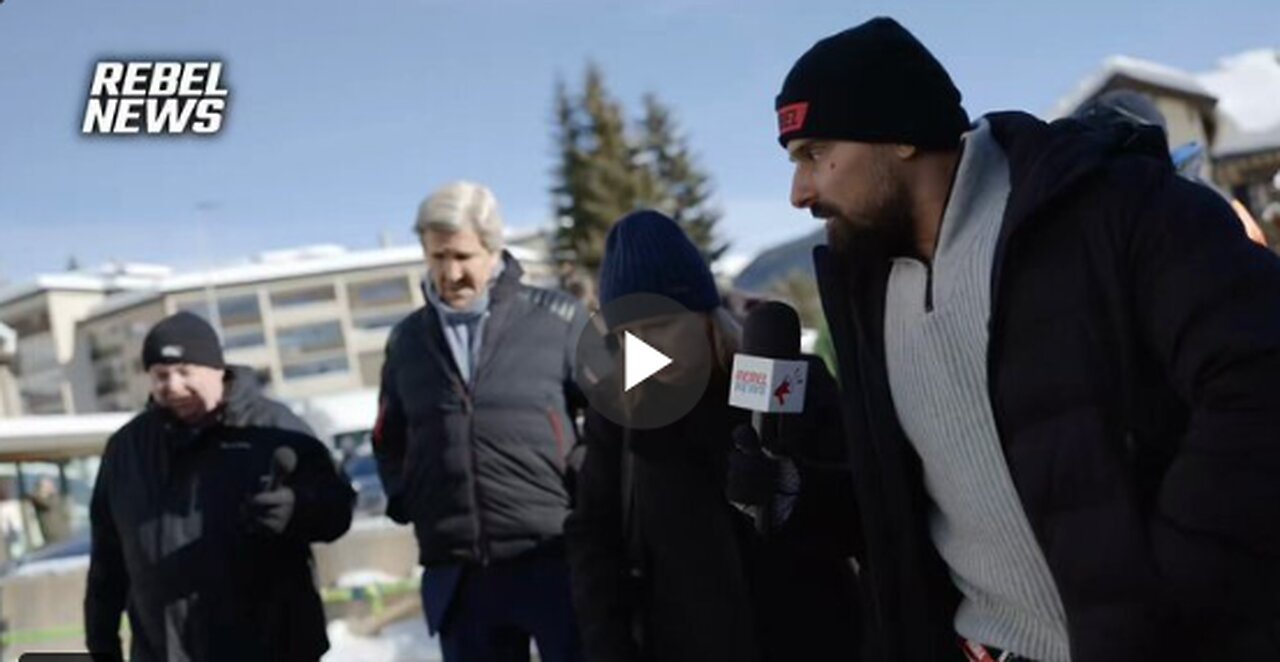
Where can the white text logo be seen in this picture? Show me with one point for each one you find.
(155, 98)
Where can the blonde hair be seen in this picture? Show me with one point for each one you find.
(462, 205)
(726, 338)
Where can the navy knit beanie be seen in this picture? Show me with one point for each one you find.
(647, 252)
(182, 338)
(872, 83)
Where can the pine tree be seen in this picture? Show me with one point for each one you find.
(604, 172)
(682, 190)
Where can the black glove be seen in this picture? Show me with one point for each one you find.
(274, 509)
(753, 476)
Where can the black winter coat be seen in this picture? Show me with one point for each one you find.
(480, 469)
(174, 542)
(710, 588)
(1134, 372)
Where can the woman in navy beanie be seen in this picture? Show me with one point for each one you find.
(683, 576)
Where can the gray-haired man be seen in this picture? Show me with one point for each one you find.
(474, 430)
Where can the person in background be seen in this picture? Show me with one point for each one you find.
(665, 569)
(473, 441)
(51, 511)
(1128, 106)
(203, 514)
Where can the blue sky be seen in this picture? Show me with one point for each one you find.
(342, 116)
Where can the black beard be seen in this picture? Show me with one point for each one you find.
(892, 232)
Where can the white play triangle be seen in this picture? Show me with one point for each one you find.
(641, 360)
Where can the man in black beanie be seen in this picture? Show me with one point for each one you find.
(203, 513)
(1061, 373)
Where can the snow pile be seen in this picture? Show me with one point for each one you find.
(78, 563)
(365, 577)
(403, 641)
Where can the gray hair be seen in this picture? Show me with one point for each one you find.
(462, 206)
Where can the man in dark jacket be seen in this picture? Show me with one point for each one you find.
(203, 513)
(1061, 368)
(473, 438)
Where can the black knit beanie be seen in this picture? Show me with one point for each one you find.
(182, 338)
(646, 252)
(871, 83)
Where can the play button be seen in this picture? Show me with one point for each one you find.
(643, 361)
(640, 360)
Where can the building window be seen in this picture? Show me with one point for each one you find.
(379, 320)
(303, 341)
(244, 339)
(37, 402)
(371, 368)
(315, 368)
(302, 297)
(239, 310)
(386, 292)
(30, 325)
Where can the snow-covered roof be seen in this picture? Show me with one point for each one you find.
(110, 277)
(1241, 144)
(57, 435)
(1143, 71)
(278, 265)
(1248, 89)
(74, 282)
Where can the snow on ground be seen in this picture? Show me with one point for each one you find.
(53, 566)
(365, 577)
(403, 641)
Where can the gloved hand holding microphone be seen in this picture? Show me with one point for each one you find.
(272, 508)
(769, 378)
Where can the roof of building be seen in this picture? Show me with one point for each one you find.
(1135, 69)
(111, 277)
(29, 438)
(279, 265)
(1248, 89)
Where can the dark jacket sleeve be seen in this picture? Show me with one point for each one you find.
(1208, 301)
(390, 440)
(574, 398)
(108, 582)
(825, 517)
(597, 558)
(324, 499)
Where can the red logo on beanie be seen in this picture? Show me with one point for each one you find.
(791, 116)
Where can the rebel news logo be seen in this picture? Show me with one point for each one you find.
(158, 98)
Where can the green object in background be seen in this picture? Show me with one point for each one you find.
(825, 350)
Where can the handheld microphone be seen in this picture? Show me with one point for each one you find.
(769, 379)
(283, 461)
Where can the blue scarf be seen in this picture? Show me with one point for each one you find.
(463, 327)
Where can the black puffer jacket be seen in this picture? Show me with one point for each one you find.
(1134, 363)
(710, 588)
(480, 469)
(173, 543)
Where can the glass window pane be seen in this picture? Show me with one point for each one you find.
(299, 341)
(380, 320)
(380, 292)
(302, 297)
(242, 339)
(315, 368)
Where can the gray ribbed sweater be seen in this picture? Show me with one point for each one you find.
(938, 376)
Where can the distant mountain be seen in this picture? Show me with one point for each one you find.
(774, 264)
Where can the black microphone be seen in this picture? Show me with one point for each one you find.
(283, 461)
(768, 377)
